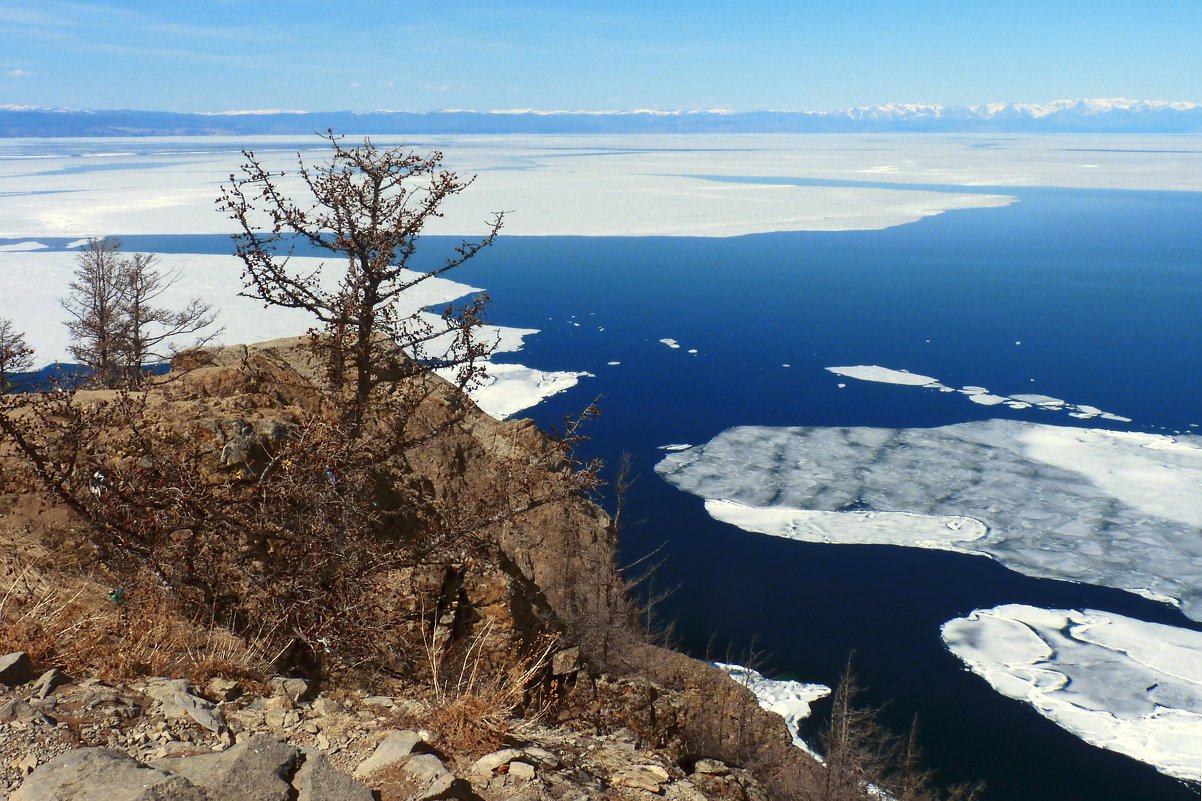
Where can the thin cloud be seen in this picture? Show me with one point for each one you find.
(18, 73)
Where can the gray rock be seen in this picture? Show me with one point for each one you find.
(48, 681)
(257, 769)
(296, 689)
(396, 747)
(223, 689)
(318, 780)
(641, 777)
(178, 698)
(541, 756)
(521, 771)
(425, 768)
(485, 765)
(15, 668)
(566, 661)
(104, 774)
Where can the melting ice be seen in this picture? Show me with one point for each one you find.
(1122, 684)
(1116, 509)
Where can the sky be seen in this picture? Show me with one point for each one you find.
(414, 55)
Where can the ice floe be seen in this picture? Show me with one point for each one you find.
(671, 343)
(981, 395)
(511, 388)
(884, 375)
(17, 247)
(1121, 684)
(1117, 509)
(789, 699)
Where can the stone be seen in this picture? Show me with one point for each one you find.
(327, 706)
(566, 661)
(15, 668)
(48, 681)
(103, 773)
(256, 769)
(425, 768)
(296, 689)
(394, 748)
(486, 764)
(541, 756)
(318, 780)
(711, 767)
(641, 777)
(521, 771)
(223, 689)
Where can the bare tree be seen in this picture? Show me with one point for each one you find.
(15, 355)
(369, 206)
(115, 326)
(96, 324)
(149, 327)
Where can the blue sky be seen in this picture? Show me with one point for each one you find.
(417, 55)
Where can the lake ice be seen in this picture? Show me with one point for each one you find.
(1117, 509)
(1122, 684)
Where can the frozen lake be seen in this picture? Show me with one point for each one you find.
(712, 283)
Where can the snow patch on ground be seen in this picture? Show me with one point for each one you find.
(1118, 683)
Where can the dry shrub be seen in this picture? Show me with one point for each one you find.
(475, 700)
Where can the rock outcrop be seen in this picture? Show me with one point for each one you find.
(632, 720)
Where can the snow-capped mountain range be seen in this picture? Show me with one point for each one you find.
(1061, 116)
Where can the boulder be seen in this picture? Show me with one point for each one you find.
(15, 668)
(318, 780)
(259, 768)
(104, 774)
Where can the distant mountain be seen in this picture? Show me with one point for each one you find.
(1061, 116)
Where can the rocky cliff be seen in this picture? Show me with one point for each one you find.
(520, 584)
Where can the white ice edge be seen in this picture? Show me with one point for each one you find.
(979, 395)
(1117, 509)
(852, 528)
(1125, 685)
(32, 282)
(789, 699)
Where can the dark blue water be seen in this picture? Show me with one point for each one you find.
(1103, 289)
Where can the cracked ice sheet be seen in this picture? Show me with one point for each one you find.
(1117, 683)
(1116, 509)
(787, 698)
(32, 282)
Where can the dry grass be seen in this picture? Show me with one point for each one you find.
(475, 704)
(86, 628)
